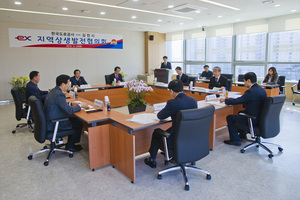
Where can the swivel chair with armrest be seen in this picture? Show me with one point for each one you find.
(241, 78)
(40, 130)
(296, 92)
(107, 79)
(281, 83)
(229, 77)
(22, 110)
(194, 79)
(191, 141)
(268, 126)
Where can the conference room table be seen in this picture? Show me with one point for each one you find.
(114, 139)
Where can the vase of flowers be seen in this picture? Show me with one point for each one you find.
(137, 91)
(20, 83)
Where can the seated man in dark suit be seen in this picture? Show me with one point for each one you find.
(77, 80)
(56, 107)
(253, 100)
(206, 74)
(116, 75)
(218, 80)
(32, 87)
(180, 102)
(166, 64)
(181, 76)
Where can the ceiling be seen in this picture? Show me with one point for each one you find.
(118, 13)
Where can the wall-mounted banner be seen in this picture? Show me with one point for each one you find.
(63, 39)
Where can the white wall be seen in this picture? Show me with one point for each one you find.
(51, 62)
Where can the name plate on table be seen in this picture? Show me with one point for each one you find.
(123, 83)
(85, 86)
(210, 97)
(159, 106)
(71, 93)
(98, 103)
(200, 89)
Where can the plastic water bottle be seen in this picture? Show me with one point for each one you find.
(106, 100)
(108, 106)
(75, 91)
(191, 85)
(224, 92)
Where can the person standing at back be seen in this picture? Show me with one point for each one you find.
(166, 64)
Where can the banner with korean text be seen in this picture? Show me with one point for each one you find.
(63, 39)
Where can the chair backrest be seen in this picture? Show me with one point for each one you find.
(194, 79)
(107, 79)
(229, 76)
(298, 88)
(269, 124)
(18, 103)
(281, 82)
(229, 84)
(40, 125)
(191, 139)
(241, 78)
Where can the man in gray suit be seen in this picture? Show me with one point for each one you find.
(56, 107)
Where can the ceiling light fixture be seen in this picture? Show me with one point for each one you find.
(293, 10)
(64, 8)
(220, 16)
(76, 16)
(237, 20)
(219, 4)
(170, 6)
(181, 24)
(18, 3)
(126, 8)
(159, 20)
(197, 11)
(133, 17)
(102, 13)
(277, 5)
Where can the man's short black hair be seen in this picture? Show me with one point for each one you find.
(117, 67)
(176, 85)
(33, 74)
(251, 76)
(205, 66)
(178, 68)
(76, 70)
(62, 79)
(165, 57)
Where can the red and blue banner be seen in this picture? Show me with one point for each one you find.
(63, 39)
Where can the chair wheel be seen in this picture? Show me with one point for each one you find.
(166, 162)
(208, 176)
(93, 170)
(46, 163)
(45, 147)
(159, 176)
(187, 187)
(270, 155)
(242, 150)
(13, 131)
(257, 146)
(71, 155)
(29, 157)
(280, 149)
(293, 104)
(193, 163)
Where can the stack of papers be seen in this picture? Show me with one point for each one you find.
(145, 118)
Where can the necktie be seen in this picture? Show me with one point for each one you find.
(217, 79)
(117, 78)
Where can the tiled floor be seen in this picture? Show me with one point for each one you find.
(235, 176)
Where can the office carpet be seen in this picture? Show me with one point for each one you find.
(235, 176)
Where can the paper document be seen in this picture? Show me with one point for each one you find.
(85, 86)
(217, 103)
(145, 118)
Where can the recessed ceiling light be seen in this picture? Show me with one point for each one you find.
(102, 13)
(219, 4)
(135, 0)
(293, 10)
(237, 20)
(64, 8)
(18, 3)
(180, 23)
(159, 20)
(220, 16)
(170, 6)
(197, 11)
(277, 5)
(133, 17)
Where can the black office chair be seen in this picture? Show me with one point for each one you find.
(107, 79)
(241, 78)
(40, 130)
(194, 79)
(296, 92)
(281, 83)
(269, 124)
(229, 77)
(191, 141)
(22, 110)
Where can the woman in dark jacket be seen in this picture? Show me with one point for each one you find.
(271, 77)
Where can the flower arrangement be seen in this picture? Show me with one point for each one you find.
(137, 91)
(20, 83)
(123, 75)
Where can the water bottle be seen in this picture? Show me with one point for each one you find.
(226, 96)
(106, 100)
(108, 106)
(224, 92)
(191, 85)
(75, 91)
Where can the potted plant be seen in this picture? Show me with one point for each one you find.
(20, 83)
(137, 91)
(123, 75)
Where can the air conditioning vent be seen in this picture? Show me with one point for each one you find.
(186, 8)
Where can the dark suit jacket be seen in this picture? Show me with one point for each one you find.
(181, 102)
(223, 81)
(80, 81)
(208, 74)
(32, 89)
(113, 76)
(252, 99)
(56, 107)
(168, 66)
(184, 79)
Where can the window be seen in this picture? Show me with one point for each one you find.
(174, 50)
(194, 69)
(225, 67)
(219, 49)
(251, 47)
(284, 46)
(195, 49)
(290, 71)
(174, 65)
(243, 69)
